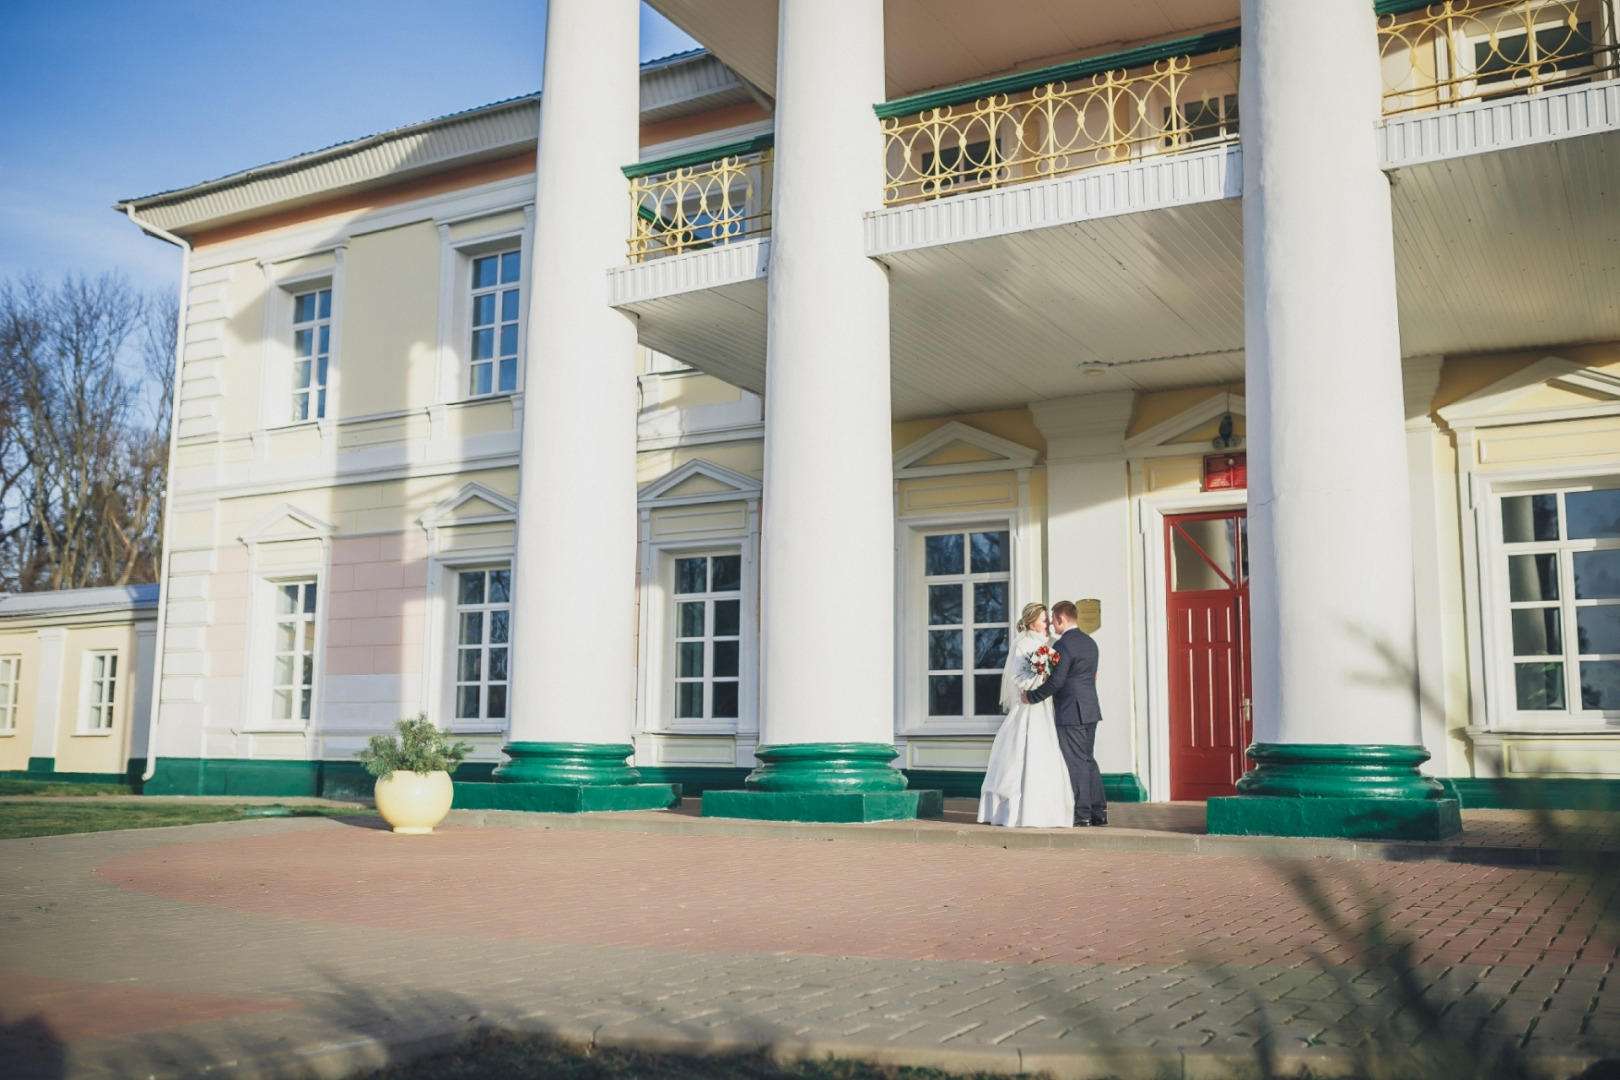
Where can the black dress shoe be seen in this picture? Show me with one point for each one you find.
(1081, 823)
(1098, 819)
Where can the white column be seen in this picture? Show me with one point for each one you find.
(1329, 522)
(48, 694)
(827, 557)
(576, 548)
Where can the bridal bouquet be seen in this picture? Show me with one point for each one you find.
(1035, 667)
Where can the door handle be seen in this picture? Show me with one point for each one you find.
(1246, 711)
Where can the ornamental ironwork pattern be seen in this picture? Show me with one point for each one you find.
(1173, 105)
(1459, 51)
(701, 206)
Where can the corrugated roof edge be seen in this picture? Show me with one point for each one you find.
(78, 601)
(310, 157)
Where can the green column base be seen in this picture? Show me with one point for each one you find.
(1353, 791)
(1350, 819)
(830, 782)
(567, 763)
(824, 806)
(565, 798)
(827, 767)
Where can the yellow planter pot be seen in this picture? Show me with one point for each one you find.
(414, 802)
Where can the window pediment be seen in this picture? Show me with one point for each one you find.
(961, 448)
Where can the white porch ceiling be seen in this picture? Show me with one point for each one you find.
(935, 43)
(1002, 298)
(1510, 250)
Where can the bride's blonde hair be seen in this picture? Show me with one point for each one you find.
(1031, 612)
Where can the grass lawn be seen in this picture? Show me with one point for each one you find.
(48, 788)
(504, 1056)
(52, 817)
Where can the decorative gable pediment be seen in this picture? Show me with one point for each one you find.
(698, 481)
(286, 522)
(1193, 427)
(474, 504)
(961, 448)
(1552, 388)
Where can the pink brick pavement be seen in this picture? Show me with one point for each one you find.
(893, 901)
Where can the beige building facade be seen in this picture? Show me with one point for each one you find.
(1070, 407)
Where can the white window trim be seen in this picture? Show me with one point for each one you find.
(455, 304)
(439, 637)
(1501, 696)
(655, 690)
(1151, 641)
(8, 714)
(665, 567)
(86, 678)
(275, 377)
(911, 623)
(261, 610)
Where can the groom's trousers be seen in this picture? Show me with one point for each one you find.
(1078, 741)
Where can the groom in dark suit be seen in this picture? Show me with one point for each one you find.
(1072, 686)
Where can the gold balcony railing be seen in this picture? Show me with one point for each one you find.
(1173, 98)
(1444, 54)
(700, 200)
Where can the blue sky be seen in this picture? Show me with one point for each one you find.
(104, 101)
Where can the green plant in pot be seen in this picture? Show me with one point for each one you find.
(413, 770)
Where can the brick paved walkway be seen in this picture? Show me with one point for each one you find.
(320, 944)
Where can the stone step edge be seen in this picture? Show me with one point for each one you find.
(1017, 839)
(348, 1057)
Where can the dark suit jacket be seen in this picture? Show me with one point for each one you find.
(1072, 685)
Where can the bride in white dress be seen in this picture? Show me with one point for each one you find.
(1026, 783)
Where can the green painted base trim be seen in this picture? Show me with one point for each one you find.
(567, 763)
(694, 779)
(1338, 771)
(965, 784)
(834, 768)
(824, 806)
(41, 764)
(241, 776)
(131, 774)
(1346, 819)
(564, 798)
(1533, 793)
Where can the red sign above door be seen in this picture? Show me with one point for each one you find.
(1226, 472)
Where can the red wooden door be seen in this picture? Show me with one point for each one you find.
(1207, 574)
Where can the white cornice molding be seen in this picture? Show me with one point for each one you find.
(728, 264)
(1133, 187)
(1170, 432)
(1486, 407)
(257, 532)
(735, 486)
(1086, 426)
(438, 515)
(1005, 454)
(1500, 125)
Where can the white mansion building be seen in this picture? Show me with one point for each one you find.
(734, 435)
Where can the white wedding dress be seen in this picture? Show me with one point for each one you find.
(1026, 783)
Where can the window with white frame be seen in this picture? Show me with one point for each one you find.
(483, 639)
(292, 679)
(312, 349)
(968, 583)
(1562, 553)
(10, 681)
(708, 636)
(100, 690)
(496, 289)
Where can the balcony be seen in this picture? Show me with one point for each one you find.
(1148, 102)
(1443, 55)
(702, 200)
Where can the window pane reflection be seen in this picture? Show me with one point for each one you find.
(1533, 577)
(1540, 687)
(1600, 684)
(1597, 574)
(942, 555)
(1537, 632)
(1593, 514)
(1529, 518)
